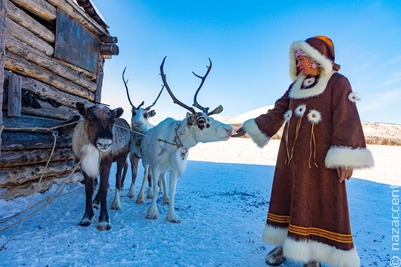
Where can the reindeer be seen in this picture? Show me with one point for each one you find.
(165, 146)
(140, 124)
(100, 138)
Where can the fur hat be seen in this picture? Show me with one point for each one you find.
(320, 49)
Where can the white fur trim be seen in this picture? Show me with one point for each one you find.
(306, 251)
(297, 93)
(90, 160)
(252, 129)
(341, 156)
(325, 64)
(353, 97)
(274, 235)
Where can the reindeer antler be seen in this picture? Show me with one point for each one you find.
(126, 88)
(156, 99)
(217, 110)
(196, 104)
(175, 100)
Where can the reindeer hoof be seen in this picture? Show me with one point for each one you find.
(85, 222)
(173, 220)
(103, 226)
(152, 217)
(140, 201)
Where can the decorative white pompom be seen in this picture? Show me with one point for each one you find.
(314, 116)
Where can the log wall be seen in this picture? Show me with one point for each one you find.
(38, 92)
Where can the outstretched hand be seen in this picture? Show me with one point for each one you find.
(344, 173)
(239, 132)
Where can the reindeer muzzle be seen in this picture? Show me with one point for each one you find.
(104, 144)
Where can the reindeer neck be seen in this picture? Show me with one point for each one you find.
(184, 136)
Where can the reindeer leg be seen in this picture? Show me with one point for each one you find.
(125, 169)
(171, 215)
(153, 213)
(88, 215)
(149, 193)
(116, 203)
(166, 199)
(140, 199)
(104, 220)
(134, 170)
(96, 200)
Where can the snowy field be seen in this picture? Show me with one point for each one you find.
(221, 199)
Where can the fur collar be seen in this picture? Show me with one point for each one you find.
(300, 90)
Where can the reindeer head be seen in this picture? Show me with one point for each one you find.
(204, 128)
(98, 123)
(140, 116)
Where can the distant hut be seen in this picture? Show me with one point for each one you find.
(51, 55)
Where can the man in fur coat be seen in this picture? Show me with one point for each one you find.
(322, 143)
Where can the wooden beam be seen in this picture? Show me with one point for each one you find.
(30, 187)
(14, 141)
(10, 159)
(29, 38)
(25, 20)
(109, 39)
(40, 8)
(35, 56)
(76, 12)
(14, 96)
(20, 175)
(99, 79)
(20, 65)
(109, 50)
(3, 24)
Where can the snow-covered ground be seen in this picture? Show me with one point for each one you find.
(221, 199)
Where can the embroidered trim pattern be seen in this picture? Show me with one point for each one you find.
(314, 231)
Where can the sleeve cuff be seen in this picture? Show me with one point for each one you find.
(341, 156)
(254, 132)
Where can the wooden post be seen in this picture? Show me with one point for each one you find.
(99, 80)
(2, 58)
(14, 96)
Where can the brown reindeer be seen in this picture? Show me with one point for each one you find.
(100, 138)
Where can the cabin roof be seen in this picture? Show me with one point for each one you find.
(92, 11)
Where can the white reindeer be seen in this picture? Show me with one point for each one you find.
(165, 147)
(140, 125)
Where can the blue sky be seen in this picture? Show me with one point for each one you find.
(248, 43)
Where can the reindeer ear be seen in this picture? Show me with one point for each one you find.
(190, 118)
(118, 112)
(151, 113)
(81, 108)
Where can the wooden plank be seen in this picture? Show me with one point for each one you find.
(2, 59)
(20, 65)
(33, 55)
(99, 79)
(48, 91)
(10, 159)
(14, 96)
(76, 12)
(20, 175)
(75, 44)
(29, 38)
(30, 122)
(30, 187)
(40, 8)
(109, 50)
(25, 20)
(90, 75)
(26, 141)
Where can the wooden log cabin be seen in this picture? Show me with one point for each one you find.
(52, 54)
